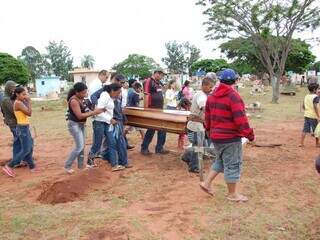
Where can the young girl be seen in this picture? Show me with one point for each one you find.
(22, 112)
(77, 116)
(183, 105)
(171, 96)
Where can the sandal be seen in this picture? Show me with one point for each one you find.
(206, 190)
(238, 198)
(117, 168)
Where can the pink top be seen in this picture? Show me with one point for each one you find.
(187, 93)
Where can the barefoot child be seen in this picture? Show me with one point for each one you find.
(22, 111)
(311, 114)
(226, 123)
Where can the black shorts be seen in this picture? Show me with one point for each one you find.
(310, 125)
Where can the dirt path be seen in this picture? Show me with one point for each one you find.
(159, 199)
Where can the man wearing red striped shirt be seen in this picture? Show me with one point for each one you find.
(226, 123)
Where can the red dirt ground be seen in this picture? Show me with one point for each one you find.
(167, 201)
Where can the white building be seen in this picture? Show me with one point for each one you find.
(84, 75)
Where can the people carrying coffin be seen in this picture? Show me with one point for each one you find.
(195, 125)
(154, 99)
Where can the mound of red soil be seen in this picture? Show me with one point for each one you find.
(73, 187)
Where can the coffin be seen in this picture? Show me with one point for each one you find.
(173, 121)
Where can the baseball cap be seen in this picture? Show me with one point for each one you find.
(227, 75)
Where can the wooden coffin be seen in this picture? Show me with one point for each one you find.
(173, 121)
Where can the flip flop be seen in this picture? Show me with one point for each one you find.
(239, 198)
(206, 190)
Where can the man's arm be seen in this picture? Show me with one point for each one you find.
(147, 97)
(240, 118)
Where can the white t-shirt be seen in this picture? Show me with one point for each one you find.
(105, 101)
(124, 97)
(198, 108)
(171, 98)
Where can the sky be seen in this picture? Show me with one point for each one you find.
(109, 30)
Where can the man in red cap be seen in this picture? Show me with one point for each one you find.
(226, 124)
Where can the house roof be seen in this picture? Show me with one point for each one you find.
(83, 70)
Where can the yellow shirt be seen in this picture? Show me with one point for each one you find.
(22, 119)
(309, 111)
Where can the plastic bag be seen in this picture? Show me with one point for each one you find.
(317, 131)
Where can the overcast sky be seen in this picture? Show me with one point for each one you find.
(108, 30)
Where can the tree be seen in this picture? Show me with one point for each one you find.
(269, 23)
(60, 59)
(209, 65)
(246, 60)
(13, 69)
(192, 55)
(175, 60)
(180, 57)
(87, 61)
(136, 65)
(33, 60)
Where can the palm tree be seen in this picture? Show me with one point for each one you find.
(87, 61)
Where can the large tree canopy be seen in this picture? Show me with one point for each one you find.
(180, 57)
(136, 65)
(59, 58)
(13, 69)
(269, 23)
(246, 60)
(209, 65)
(34, 61)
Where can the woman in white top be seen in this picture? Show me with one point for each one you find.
(171, 97)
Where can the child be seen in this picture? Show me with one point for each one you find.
(22, 111)
(134, 100)
(77, 116)
(311, 114)
(183, 105)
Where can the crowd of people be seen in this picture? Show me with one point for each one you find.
(217, 119)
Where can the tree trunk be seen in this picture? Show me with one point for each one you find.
(275, 80)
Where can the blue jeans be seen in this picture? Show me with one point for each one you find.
(116, 152)
(16, 143)
(161, 140)
(99, 129)
(25, 142)
(77, 131)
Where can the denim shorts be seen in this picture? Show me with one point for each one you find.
(310, 125)
(228, 160)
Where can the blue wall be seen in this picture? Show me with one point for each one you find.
(47, 85)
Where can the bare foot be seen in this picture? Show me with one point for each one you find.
(206, 189)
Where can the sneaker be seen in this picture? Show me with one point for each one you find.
(8, 171)
(117, 168)
(130, 147)
(88, 166)
(146, 153)
(163, 152)
(195, 170)
(69, 171)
